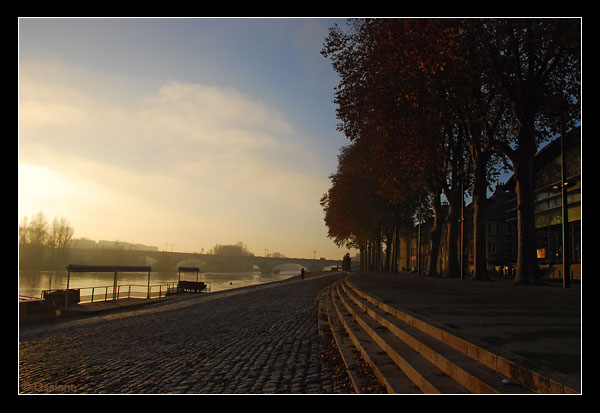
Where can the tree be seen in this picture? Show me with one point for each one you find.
(62, 233)
(484, 119)
(346, 262)
(277, 255)
(36, 241)
(536, 64)
(37, 231)
(352, 207)
(59, 239)
(386, 149)
(238, 249)
(33, 235)
(358, 214)
(419, 93)
(390, 97)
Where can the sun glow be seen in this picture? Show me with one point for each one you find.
(41, 188)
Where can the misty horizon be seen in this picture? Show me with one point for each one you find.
(191, 132)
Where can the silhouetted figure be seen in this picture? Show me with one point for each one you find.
(302, 273)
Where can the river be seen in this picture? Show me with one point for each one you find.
(32, 283)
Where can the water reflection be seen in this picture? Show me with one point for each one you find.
(32, 283)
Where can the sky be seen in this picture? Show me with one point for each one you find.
(180, 132)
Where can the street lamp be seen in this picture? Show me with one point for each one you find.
(462, 229)
(419, 241)
(565, 212)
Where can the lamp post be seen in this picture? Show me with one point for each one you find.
(462, 229)
(419, 241)
(565, 211)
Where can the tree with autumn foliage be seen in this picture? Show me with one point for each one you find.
(353, 209)
(389, 98)
(437, 98)
(536, 66)
(357, 213)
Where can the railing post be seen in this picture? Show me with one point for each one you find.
(148, 284)
(129, 292)
(115, 284)
(67, 294)
(92, 294)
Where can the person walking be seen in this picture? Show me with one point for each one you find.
(302, 273)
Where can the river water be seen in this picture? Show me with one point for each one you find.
(32, 283)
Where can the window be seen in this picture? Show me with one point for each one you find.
(493, 227)
(541, 195)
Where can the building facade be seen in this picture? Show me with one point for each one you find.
(501, 217)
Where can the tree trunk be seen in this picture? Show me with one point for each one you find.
(409, 241)
(526, 256)
(369, 255)
(378, 256)
(394, 246)
(479, 216)
(362, 257)
(436, 233)
(388, 251)
(453, 268)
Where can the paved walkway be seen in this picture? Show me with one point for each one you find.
(265, 339)
(255, 340)
(540, 323)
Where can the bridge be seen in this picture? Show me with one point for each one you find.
(170, 261)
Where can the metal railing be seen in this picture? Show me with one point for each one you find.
(27, 297)
(173, 287)
(108, 293)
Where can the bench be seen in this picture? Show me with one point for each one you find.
(53, 298)
(191, 286)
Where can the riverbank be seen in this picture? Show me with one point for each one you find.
(128, 307)
(267, 339)
(261, 339)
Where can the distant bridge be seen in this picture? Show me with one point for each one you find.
(170, 261)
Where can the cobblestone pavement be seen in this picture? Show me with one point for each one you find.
(262, 341)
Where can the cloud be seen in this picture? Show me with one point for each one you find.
(190, 108)
(178, 123)
(184, 157)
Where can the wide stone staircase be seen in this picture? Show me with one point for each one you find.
(408, 355)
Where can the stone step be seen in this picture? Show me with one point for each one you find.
(383, 367)
(522, 374)
(343, 342)
(428, 377)
(462, 369)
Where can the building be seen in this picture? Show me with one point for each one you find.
(548, 205)
(84, 243)
(501, 217)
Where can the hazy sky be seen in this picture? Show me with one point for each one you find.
(190, 132)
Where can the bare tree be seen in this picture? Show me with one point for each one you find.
(62, 233)
(37, 231)
(36, 238)
(60, 239)
(33, 235)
